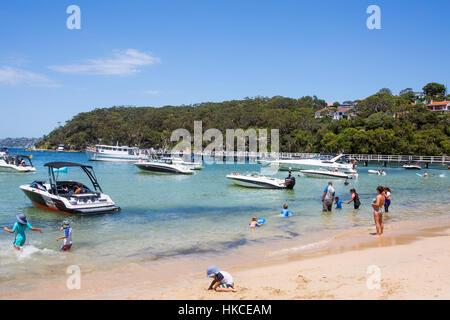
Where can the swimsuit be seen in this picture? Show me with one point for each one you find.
(68, 240)
(286, 213)
(20, 236)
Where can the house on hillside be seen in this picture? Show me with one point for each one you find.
(440, 106)
(342, 112)
(323, 112)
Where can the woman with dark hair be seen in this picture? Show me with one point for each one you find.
(355, 199)
(377, 205)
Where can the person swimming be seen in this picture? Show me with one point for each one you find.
(285, 212)
(255, 222)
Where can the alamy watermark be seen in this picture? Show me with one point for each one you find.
(239, 144)
(374, 20)
(74, 20)
(373, 281)
(73, 282)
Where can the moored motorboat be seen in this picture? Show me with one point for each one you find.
(16, 163)
(163, 166)
(180, 161)
(311, 164)
(323, 173)
(115, 153)
(257, 181)
(408, 166)
(69, 196)
(379, 172)
(60, 148)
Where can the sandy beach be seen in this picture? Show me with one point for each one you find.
(412, 261)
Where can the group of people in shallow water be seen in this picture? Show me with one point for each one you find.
(222, 280)
(379, 205)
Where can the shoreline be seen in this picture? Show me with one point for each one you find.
(296, 271)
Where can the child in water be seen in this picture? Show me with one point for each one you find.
(338, 203)
(222, 280)
(67, 236)
(254, 223)
(20, 227)
(285, 212)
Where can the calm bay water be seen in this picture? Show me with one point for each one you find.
(169, 215)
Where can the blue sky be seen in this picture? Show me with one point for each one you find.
(156, 53)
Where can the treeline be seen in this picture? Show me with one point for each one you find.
(381, 124)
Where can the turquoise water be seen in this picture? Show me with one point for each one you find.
(169, 215)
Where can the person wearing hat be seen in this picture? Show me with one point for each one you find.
(19, 228)
(222, 280)
(67, 236)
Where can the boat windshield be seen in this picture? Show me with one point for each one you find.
(60, 175)
(18, 160)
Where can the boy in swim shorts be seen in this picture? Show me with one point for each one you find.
(285, 212)
(19, 228)
(338, 203)
(67, 236)
(222, 280)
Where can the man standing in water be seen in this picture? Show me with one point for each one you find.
(328, 197)
(377, 206)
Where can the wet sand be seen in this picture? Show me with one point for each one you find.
(412, 261)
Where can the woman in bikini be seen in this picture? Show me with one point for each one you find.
(377, 206)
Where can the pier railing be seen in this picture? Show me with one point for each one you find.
(359, 157)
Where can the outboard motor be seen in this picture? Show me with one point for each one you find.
(290, 182)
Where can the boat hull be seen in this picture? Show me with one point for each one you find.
(244, 181)
(412, 167)
(17, 169)
(95, 156)
(324, 175)
(298, 165)
(163, 169)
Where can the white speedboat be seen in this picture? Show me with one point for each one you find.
(378, 172)
(180, 161)
(115, 153)
(256, 181)
(69, 196)
(163, 166)
(311, 164)
(412, 166)
(16, 163)
(60, 148)
(326, 174)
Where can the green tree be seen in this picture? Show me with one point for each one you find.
(434, 91)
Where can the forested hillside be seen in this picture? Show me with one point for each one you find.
(382, 123)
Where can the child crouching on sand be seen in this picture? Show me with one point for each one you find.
(222, 280)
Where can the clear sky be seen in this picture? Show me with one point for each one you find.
(156, 53)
